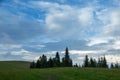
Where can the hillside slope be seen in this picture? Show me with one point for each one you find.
(18, 70)
(14, 65)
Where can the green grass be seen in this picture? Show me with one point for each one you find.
(18, 70)
(14, 65)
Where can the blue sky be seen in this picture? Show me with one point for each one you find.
(30, 28)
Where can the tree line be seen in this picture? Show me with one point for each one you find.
(66, 61)
(115, 65)
(90, 62)
(42, 62)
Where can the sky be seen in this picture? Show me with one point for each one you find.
(30, 28)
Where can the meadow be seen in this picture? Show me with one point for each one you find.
(19, 70)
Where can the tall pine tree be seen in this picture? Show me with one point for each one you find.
(33, 65)
(66, 61)
(57, 60)
(38, 64)
(86, 61)
(44, 61)
(50, 62)
(105, 62)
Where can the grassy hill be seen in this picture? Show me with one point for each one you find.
(14, 65)
(19, 70)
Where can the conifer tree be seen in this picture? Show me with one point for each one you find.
(105, 62)
(38, 63)
(57, 60)
(99, 62)
(50, 62)
(76, 65)
(91, 63)
(86, 61)
(32, 65)
(117, 65)
(44, 61)
(112, 66)
(66, 61)
(95, 63)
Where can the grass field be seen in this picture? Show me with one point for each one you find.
(18, 70)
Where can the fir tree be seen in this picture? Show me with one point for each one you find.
(105, 62)
(50, 62)
(76, 65)
(117, 65)
(57, 60)
(32, 65)
(38, 64)
(66, 61)
(112, 66)
(91, 63)
(86, 61)
(99, 64)
(44, 61)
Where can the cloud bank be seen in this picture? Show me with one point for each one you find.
(29, 29)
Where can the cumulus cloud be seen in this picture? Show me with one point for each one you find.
(66, 20)
(9, 46)
(96, 41)
(110, 18)
(21, 52)
(44, 27)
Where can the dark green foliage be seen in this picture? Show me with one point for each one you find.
(99, 63)
(20, 71)
(76, 65)
(102, 62)
(66, 61)
(112, 66)
(86, 61)
(42, 62)
(38, 64)
(33, 65)
(50, 62)
(116, 65)
(92, 63)
(57, 60)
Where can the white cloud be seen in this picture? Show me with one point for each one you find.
(87, 52)
(113, 58)
(64, 22)
(20, 52)
(111, 22)
(9, 46)
(65, 19)
(37, 46)
(26, 55)
(2, 53)
(69, 17)
(113, 27)
(97, 41)
(30, 57)
(86, 16)
(116, 45)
